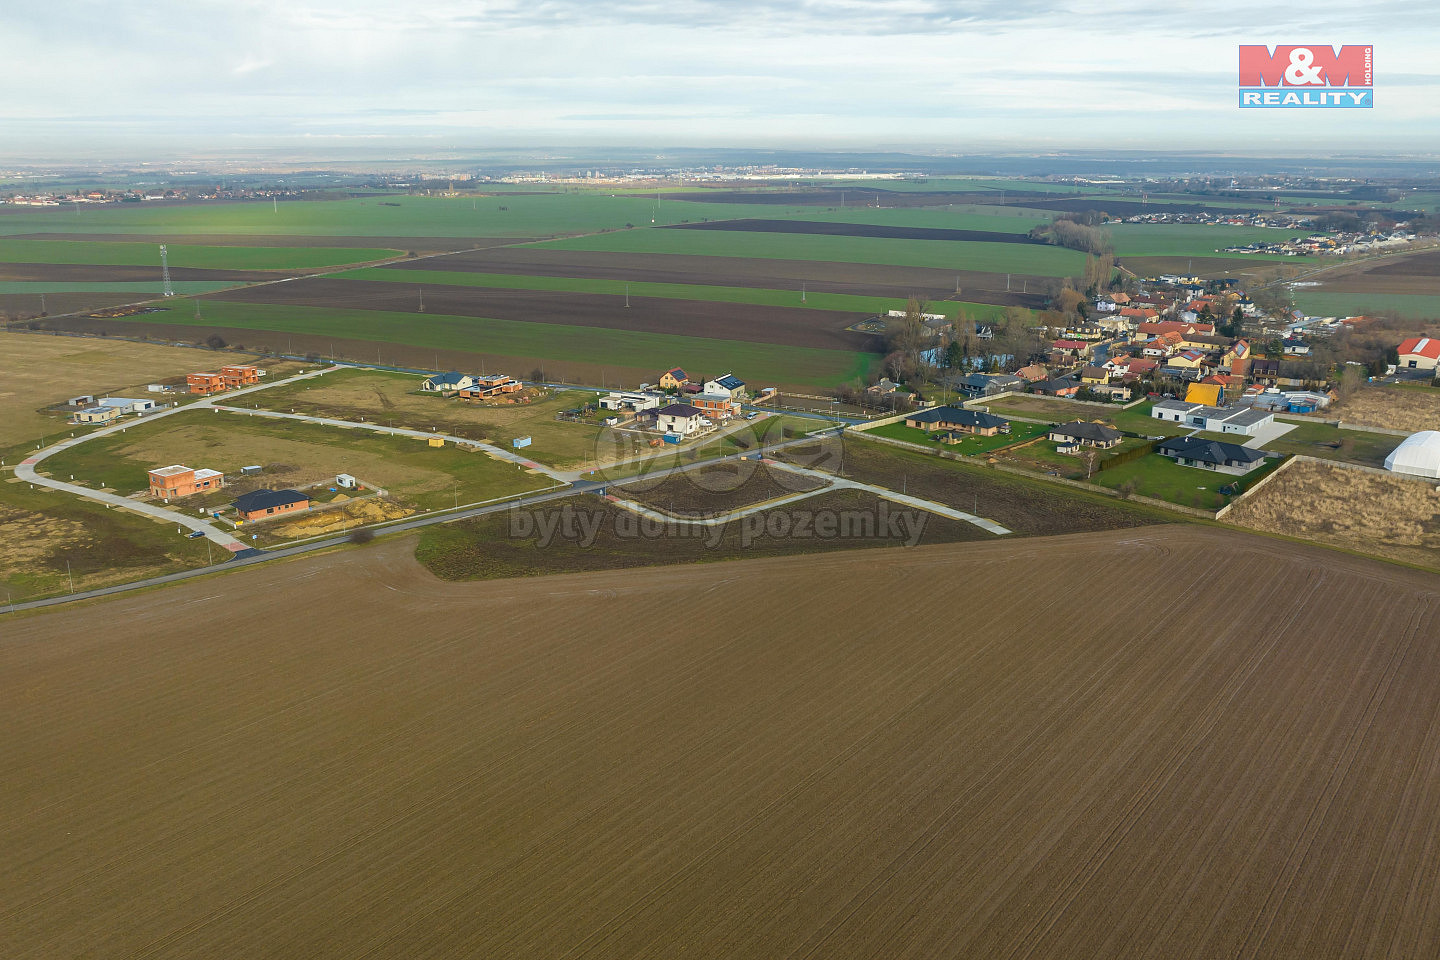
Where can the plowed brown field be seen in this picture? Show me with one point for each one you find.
(693, 318)
(1167, 742)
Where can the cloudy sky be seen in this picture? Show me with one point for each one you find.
(81, 77)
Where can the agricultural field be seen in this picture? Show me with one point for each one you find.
(1320, 301)
(587, 354)
(1407, 408)
(1409, 275)
(298, 453)
(1388, 516)
(984, 257)
(854, 279)
(792, 326)
(892, 746)
(866, 306)
(103, 254)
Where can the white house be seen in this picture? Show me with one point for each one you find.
(445, 382)
(680, 418)
(728, 384)
(1245, 421)
(126, 404)
(624, 400)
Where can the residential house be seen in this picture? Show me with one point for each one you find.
(728, 384)
(1243, 420)
(1187, 360)
(673, 379)
(263, 504)
(240, 375)
(884, 388)
(1204, 394)
(624, 400)
(1115, 391)
(1295, 347)
(1093, 374)
(1062, 387)
(127, 404)
(1137, 368)
(97, 415)
(958, 420)
(490, 387)
(715, 406)
(987, 384)
(176, 480)
(1264, 370)
(681, 419)
(1071, 349)
(1419, 353)
(204, 383)
(1213, 455)
(451, 382)
(1085, 433)
(1032, 372)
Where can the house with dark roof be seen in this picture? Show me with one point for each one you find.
(680, 418)
(261, 504)
(729, 383)
(1085, 433)
(986, 384)
(1213, 455)
(1063, 387)
(959, 421)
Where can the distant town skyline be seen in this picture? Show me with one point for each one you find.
(85, 80)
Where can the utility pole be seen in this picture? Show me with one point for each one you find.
(70, 576)
(802, 293)
(422, 299)
(627, 296)
(165, 272)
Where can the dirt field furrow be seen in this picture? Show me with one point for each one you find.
(1161, 741)
(694, 318)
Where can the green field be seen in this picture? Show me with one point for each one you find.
(591, 346)
(1034, 259)
(1410, 306)
(140, 289)
(185, 255)
(675, 291)
(1191, 239)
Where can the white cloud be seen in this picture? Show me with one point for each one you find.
(1084, 72)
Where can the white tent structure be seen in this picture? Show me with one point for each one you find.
(1418, 455)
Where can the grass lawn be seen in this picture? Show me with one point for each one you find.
(293, 453)
(970, 446)
(1331, 443)
(1034, 259)
(1164, 479)
(515, 339)
(675, 291)
(184, 255)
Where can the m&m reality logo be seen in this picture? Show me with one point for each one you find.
(1314, 75)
